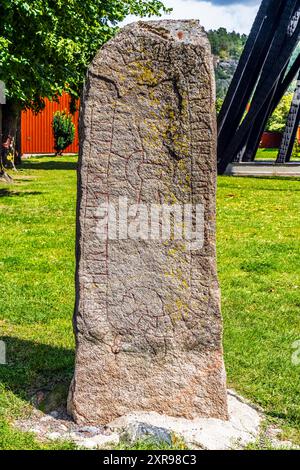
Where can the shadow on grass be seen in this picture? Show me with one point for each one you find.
(9, 193)
(54, 164)
(38, 373)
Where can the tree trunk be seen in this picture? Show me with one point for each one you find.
(11, 121)
(18, 141)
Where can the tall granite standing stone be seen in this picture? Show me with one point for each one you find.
(147, 318)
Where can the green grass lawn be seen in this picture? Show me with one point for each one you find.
(259, 269)
(271, 154)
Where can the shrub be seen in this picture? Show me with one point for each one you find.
(63, 130)
(296, 150)
(277, 121)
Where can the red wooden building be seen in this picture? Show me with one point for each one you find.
(36, 130)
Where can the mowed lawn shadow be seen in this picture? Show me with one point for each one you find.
(54, 164)
(38, 373)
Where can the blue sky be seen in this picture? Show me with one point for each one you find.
(235, 15)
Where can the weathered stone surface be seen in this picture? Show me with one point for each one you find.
(147, 321)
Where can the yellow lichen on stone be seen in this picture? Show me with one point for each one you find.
(143, 71)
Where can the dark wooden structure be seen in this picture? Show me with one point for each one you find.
(290, 132)
(264, 73)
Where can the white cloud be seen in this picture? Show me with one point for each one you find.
(236, 17)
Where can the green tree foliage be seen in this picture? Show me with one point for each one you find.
(226, 45)
(227, 48)
(46, 45)
(277, 121)
(63, 130)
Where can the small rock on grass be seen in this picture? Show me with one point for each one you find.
(140, 431)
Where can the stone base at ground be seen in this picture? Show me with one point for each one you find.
(58, 426)
(242, 428)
